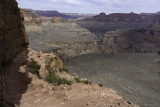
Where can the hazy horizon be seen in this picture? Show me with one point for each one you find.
(92, 6)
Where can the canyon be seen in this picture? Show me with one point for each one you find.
(69, 38)
(102, 48)
(67, 16)
(118, 50)
(22, 86)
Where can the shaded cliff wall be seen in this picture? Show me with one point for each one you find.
(13, 39)
(131, 41)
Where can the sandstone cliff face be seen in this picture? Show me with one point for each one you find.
(12, 36)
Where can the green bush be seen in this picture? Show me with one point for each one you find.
(51, 75)
(86, 82)
(52, 78)
(63, 69)
(100, 85)
(63, 81)
(49, 60)
(129, 102)
(78, 80)
(33, 67)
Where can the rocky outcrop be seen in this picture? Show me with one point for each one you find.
(30, 17)
(132, 41)
(64, 16)
(26, 89)
(12, 37)
(22, 87)
(51, 14)
(151, 18)
(125, 17)
(116, 17)
(38, 20)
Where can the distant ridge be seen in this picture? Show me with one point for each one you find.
(125, 17)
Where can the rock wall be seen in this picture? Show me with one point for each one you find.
(12, 36)
(116, 17)
(132, 41)
(125, 17)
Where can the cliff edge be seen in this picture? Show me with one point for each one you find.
(35, 79)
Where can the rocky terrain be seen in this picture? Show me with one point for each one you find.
(116, 17)
(13, 39)
(65, 16)
(134, 76)
(73, 38)
(36, 79)
(125, 17)
(79, 16)
(24, 88)
(102, 23)
(132, 41)
(65, 38)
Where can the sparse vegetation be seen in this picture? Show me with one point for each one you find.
(101, 85)
(129, 102)
(49, 60)
(63, 81)
(63, 69)
(79, 80)
(52, 78)
(51, 75)
(33, 67)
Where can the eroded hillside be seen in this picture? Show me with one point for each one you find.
(73, 38)
(31, 79)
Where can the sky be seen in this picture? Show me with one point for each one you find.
(93, 6)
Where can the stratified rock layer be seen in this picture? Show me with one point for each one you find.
(132, 41)
(12, 36)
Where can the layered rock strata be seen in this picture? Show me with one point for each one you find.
(12, 36)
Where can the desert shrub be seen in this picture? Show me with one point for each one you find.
(63, 69)
(86, 82)
(57, 63)
(56, 58)
(49, 60)
(100, 85)
(78, 80)
(51, 75)
(63, 81)
(52, 78)
(33, 67)
(129, 102)
(74, 74)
